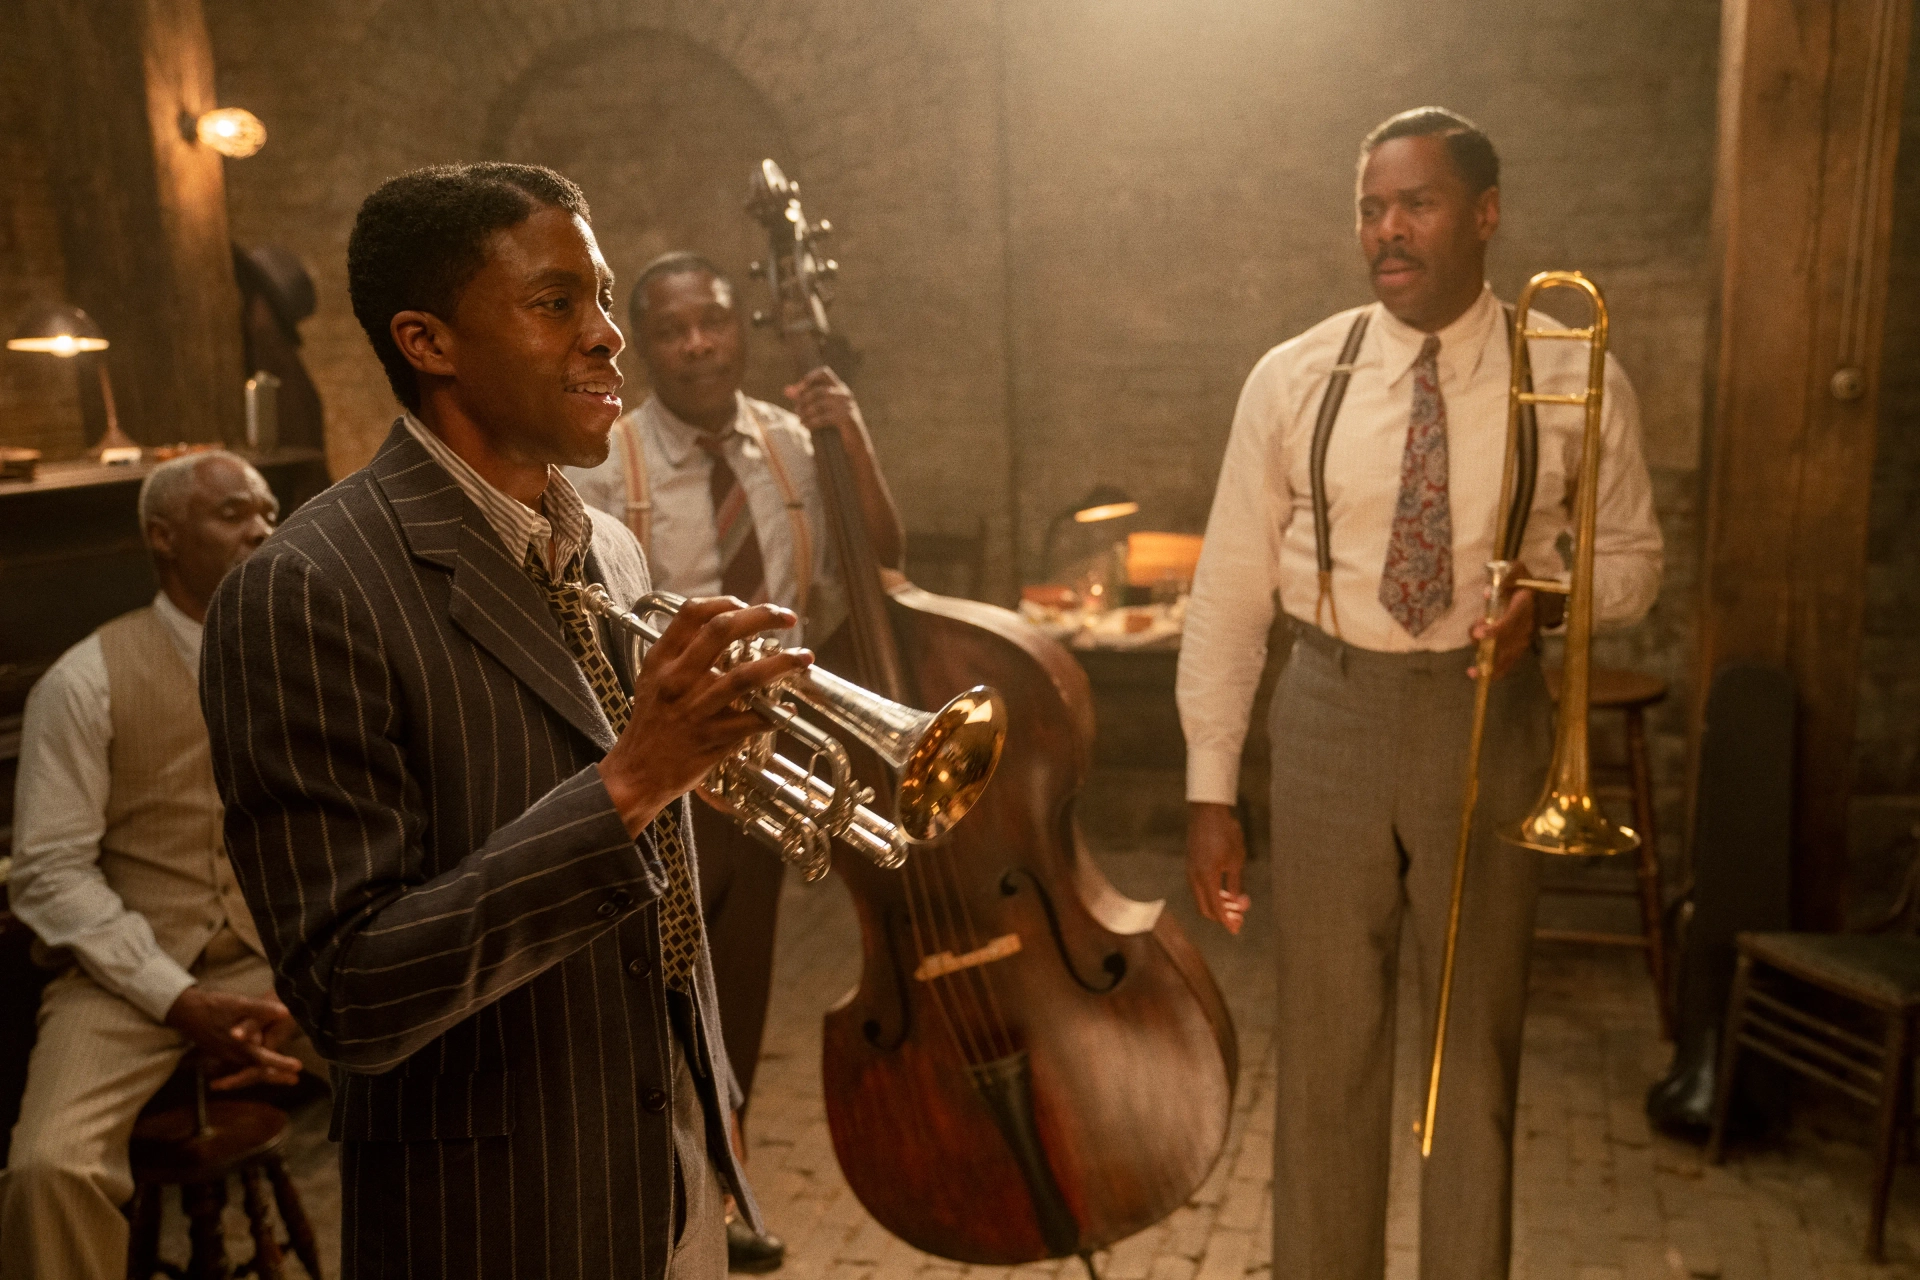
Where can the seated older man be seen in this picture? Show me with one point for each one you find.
(121, 871)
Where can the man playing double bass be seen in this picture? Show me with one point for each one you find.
(1360, 483)
(721, 490)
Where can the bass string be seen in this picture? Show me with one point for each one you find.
(847, 499)
(974, 978)
(968, 1005)
(952, 940)
(954, 1022)
(980, 975)
(970, 991)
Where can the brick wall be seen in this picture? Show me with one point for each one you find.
(1068, 227)
(39, 401)
(884, 112)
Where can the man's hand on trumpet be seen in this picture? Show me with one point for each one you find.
(685, 718)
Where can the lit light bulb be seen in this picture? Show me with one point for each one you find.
(64, 345)
(1105, 511)
(232, 131)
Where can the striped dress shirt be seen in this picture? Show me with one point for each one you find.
(556, 532)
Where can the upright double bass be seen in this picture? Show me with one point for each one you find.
(1032, 1065)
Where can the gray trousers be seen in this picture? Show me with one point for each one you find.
(740, 900)
(700, 1251)
(1369, 752)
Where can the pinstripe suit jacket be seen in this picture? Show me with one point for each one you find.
(454, 910)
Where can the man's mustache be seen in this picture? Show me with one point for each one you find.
(1394, 255)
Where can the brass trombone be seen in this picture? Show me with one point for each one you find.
(942, 760)
(1565, 820)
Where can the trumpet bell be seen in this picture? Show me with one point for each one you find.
(1570, 824)
(951, 764)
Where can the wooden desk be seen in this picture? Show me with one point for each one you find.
(71, 556)
(1136, 722)
(1136, 790)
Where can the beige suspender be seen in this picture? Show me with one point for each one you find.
(640, 498)
(639, 494)
(796, 513)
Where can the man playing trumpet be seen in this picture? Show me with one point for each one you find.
(1360, 483)
(457, 806)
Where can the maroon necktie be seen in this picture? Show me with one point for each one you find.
(742, 572)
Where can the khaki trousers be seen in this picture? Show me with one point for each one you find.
(96, 1061)
(1369, 752)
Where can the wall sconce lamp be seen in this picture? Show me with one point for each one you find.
(65, 332)
(1103, 502)
(232, 131)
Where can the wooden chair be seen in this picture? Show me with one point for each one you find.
(1837, 1009)
(1630, 693)
(197, 1147)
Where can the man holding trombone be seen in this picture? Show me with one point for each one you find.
(1362, 483)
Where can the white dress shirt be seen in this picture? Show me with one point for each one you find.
(1260, 536)
(60, 813)
(684, 554)
(556, 533)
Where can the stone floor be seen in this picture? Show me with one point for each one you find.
(1598, 1196)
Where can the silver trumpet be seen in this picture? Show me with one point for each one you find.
(941, 760)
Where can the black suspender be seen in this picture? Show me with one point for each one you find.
(1527, 471)
(1322, 432)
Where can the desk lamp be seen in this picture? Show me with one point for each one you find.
(1103, 502)
(66, 332)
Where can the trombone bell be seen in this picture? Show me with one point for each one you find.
(1570, 823)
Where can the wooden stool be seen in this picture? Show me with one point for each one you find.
(197, 1147)
(1630, 693)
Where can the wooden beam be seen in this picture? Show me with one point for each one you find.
(1810, 94)
(143, 210)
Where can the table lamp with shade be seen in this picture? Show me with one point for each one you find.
(66, 332)
(1103, 502)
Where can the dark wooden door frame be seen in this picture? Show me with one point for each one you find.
(1810, 96)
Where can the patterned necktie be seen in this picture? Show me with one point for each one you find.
(1416, 584)
(679, 909)
(742, 573)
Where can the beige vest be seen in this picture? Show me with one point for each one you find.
(163, 851)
